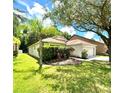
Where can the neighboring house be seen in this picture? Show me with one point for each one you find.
(58, 41)
(101, 48)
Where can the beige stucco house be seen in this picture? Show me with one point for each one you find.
(79, 46)
(76, 42)
(51, 41)
(101, 48)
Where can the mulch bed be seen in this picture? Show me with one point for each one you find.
(67, 62)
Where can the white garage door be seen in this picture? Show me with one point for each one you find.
(90, 51)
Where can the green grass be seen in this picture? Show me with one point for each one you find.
(88, 77)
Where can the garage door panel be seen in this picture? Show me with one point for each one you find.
(90, 51)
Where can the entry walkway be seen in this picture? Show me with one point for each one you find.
(75, 60)
(100, 58)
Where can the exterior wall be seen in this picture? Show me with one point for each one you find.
(77, 50)
(101, 48)
(32, 50)
(91, 50)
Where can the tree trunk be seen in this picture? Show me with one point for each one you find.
(108, 44)
(109, 52)
(109, 47)
(40, 55)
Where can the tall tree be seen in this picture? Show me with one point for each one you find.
(50, 31)
(35, 25)
(84, 16)
(15, 26)
(33, 36)
(66, 35)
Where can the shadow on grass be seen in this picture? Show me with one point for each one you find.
(88, 78)
(28, 73)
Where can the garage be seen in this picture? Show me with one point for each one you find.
(90, 51)
(78, 46)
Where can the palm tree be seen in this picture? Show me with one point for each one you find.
(35, 25)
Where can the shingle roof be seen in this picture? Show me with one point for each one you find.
(77, 41)
(61, 38)
(87, 40)
(56, 39)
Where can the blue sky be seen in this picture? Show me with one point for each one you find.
(45, 3)
(36, 8)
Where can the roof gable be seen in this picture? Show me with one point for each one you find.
(86, 40)
(78, 41)
(53, 40)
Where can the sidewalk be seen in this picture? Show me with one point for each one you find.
(100, 58)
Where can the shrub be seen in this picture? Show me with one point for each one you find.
(67, 52)
(48, 54)
(15, 53)
(51, 53)
(84, 54)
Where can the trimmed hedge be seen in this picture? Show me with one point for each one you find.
(53, 53)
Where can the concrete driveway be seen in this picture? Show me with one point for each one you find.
(100, 58)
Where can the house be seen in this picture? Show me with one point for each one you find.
(79, 46)
(77, 43)
(58, 41)
(93, 47)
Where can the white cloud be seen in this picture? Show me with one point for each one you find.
(47, 22)
(70, 30)
(19, 13)
(37, 8)
(89, 35)
(57, 4)
(38, 11)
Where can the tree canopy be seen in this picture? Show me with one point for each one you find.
(16, 40)
(84, 16)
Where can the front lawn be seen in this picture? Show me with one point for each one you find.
(88, 77)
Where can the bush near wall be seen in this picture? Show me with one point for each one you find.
(84, 54)
(53, 53)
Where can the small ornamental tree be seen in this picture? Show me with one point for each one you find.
(84, 54)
